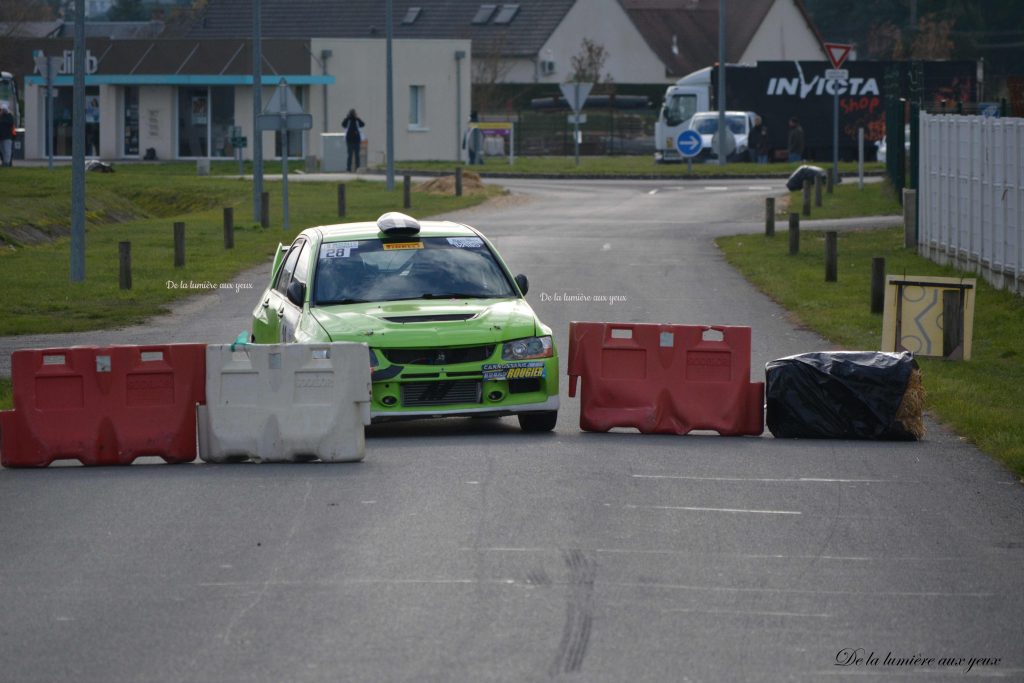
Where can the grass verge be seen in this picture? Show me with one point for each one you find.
(612, 166)
(6, 399)
(848, 201)
(980, 399)
(35, 280)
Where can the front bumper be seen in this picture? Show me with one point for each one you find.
(492, 387)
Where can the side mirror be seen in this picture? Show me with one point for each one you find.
(296, 293)
(524, 284)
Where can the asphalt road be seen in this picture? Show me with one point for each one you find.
(463, 550)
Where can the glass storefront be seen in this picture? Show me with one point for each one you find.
(63, 108)
(131, 121)
(205, 117)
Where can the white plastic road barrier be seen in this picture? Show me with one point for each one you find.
(285, 402)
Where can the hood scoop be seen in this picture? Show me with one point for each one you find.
(450, 317)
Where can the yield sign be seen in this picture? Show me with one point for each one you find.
(283, 101)
(575, 94)
(837, 53)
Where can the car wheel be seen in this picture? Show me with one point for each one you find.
(538, 422)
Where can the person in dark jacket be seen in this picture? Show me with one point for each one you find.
(352, 125)
(759, 145)
(6, 137)
(796, 140)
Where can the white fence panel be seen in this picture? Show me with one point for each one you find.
(972, 196)
(285, 402)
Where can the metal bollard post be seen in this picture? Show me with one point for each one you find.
(831, 181)
(341, 199)
(229, 227)
(179, 245)
(831, 256)
(124, 258)
(458, 181)
(807, 197)
(769, 216)
(406, 191)
(794, 234)
(265, 209)
(878, 284)
(817, 189)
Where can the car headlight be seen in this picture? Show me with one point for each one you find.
(524, 349)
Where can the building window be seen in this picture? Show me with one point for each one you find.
(417, 106)
(131, 121)
(411, 15)
(483, 14)
(507, 14)
(205, 117)
(63, 107)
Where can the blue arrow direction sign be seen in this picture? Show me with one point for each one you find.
(689, 143)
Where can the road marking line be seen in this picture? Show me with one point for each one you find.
(767, 479)
(653, 192)
(746, 613)
(704, 509)
(716, 188)
(760, 188)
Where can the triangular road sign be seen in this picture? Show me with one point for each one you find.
(576, 94)
(285, 96)
(837, 53)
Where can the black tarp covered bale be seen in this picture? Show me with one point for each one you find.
(845, 395)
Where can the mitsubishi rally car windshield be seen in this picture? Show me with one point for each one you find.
(415, 268)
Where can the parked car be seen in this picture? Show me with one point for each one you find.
(738, 124)
(448, 328)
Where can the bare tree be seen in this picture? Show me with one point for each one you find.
(885, 41)
(933, 39)
(587, 64)
(490, 68)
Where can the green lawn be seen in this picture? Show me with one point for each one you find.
(848, 200)
(640, 166)
(140, 203)
(980, 399)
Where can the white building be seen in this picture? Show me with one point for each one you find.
(185, 98)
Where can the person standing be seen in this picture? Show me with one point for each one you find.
(795, 146)
(6, 137)
(352, 125)
(473, 140)
(759, 141)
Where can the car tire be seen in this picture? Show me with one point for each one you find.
(538, 422)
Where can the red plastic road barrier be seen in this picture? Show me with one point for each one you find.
(665, 379)
(103, 406)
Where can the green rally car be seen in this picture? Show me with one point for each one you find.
(448, 329)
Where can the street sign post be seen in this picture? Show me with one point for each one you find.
(689, 143)
(284, 114)
(837, 54)
(576, 95)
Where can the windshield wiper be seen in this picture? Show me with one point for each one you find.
(456, 295)
(341, 302)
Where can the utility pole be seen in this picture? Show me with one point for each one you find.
(389, 11)
(78, 151)
(257, 108)
(721, 83)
